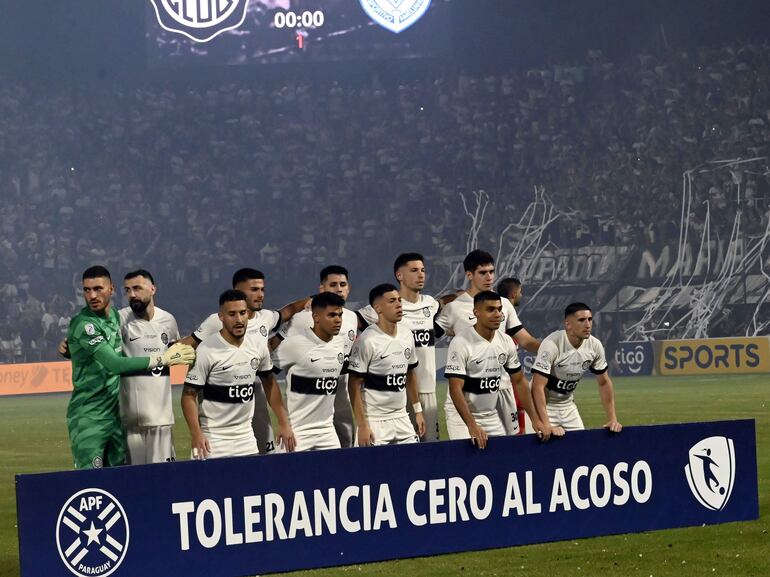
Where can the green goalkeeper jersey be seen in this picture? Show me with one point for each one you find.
(95, 349)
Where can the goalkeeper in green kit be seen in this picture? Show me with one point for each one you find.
(93, 418)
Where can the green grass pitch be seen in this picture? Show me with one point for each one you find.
(33, 438)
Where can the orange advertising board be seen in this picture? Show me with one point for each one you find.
(34, 378)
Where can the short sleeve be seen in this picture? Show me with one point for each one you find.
(265, 362)
(512, 364)
(360, 356)
(512, 322)
(208, 327)
(89, 336)
(546, 355)
(456, 360)
(368, 314)
(599, 365)
(198, 374)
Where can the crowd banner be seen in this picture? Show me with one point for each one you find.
(235, 517)
(714, 356)
(56, 377)
(634, 358)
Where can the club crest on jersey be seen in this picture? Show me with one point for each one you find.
(501, 358)
(263, 331)
(407, 353)
(200, 20)
(352, 335)
(254, 363)
(710, 471)
(426, 312)
(395, 15)
(92, 533)
(164, 338)
(585, 365)
(340, 358)
(90, 330)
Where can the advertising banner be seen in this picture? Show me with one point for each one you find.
(246, 516)
(714, 356)
(634, 358)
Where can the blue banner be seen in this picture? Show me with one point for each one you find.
(634, 358)
(235, 517)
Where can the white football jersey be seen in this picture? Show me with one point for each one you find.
(383, 361)
(145, 397)
(458, 315)
(264, 323)
(480, 364)
(304, 320)
(312, 369)
(418, 317)
(227, 375)
(564, 365)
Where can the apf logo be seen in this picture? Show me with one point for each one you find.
(92, 533)
(395, 15)
(711, 472)
(200, 20)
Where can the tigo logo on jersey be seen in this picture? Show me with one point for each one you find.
(711, 471)
(92, 533)
(200, 20)
(395, 15)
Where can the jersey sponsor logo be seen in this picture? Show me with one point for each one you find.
(132, 339)
(710, 471)
(478, 361)
(424, 337)
(395, 15)
(233, 394)
(96, 340)
(389, 383)
(481, 386)
(200, 20)
(384, 356)
(472, 318)
(314, 360)
(90, 329)
(92, 533)
(164, 338)
(314, 385)
(561, 386)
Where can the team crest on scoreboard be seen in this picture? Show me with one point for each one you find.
(92, 533)
(710, 471)
(395, 15)
(200, 20)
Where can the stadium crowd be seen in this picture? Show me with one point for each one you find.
(194, 182)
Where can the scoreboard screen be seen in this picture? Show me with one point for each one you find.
(232, 32)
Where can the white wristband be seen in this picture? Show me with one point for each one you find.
(417, 407)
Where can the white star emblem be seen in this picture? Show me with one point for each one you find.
(93, 534)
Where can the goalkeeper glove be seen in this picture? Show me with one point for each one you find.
(177, 354)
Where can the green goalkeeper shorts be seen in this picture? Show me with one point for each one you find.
(96, 443)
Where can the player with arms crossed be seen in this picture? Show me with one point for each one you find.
(479, 269)
(145, 396)
(476, 360)
(382, 377)
(95, 346)
(218, 394)
(333, 279)
(262, 323)
(313, 361)
(563, 358)
(419, 312)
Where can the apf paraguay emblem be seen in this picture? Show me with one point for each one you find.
(200, 20)
(711, 471)
(395, 15)
(92, 533)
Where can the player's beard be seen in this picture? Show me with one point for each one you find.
(138, 306)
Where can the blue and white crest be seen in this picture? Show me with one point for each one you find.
(711, 471)
(92, 533)
(395, 15)
(200, 20)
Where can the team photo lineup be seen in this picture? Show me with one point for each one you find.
(353, 378)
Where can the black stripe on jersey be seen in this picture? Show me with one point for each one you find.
(265, 373)
(277, 323)
(557, 385)
(455, 376)
(193, 385)
(196, 338)
(512, 371)
(314, 385)
(513, 330)
(234, 394)
(437, 330)
(424, 337)
(412, 367)
(598, 372)
(482, 386)
(388, 383)
(165, 372)
(276, 370)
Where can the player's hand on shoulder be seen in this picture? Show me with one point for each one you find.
(613, 426)
(478, 436)
(178, 354)
(365, 436)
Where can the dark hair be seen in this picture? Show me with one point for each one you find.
(326, 299)
(486, 296)
(406, 257)
(575, 307)
(97, 271)
(475, 259)
(333, 269)
(506, 285)
(140, 272)
(231, 295)
(380, 290)
(244, 274)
